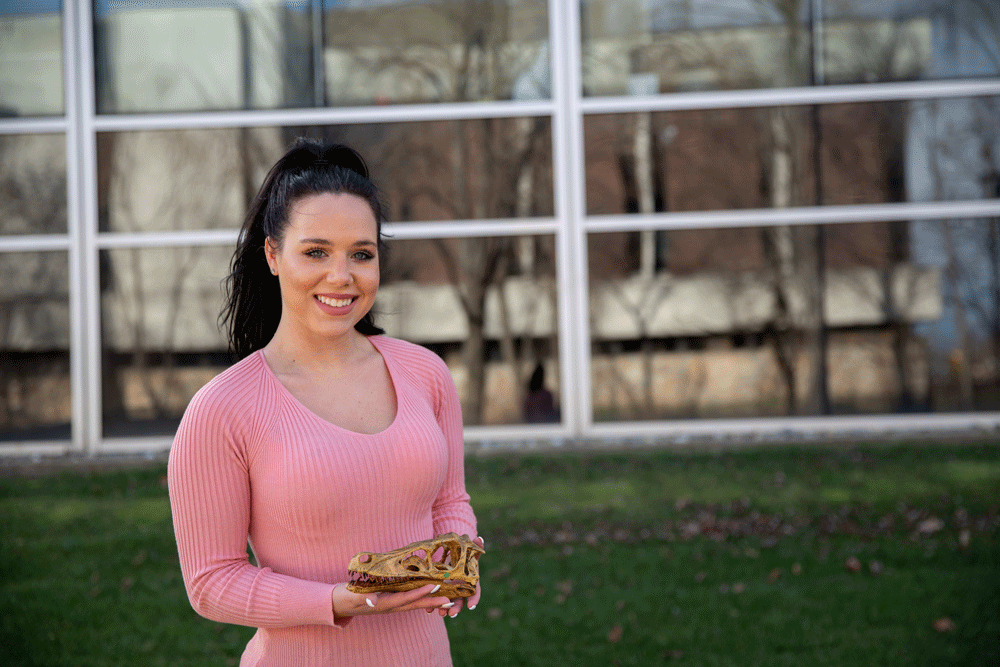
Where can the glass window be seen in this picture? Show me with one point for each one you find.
(178, 56)
(727, 322)
(866, 153)
(435, 170)
(35, 399)
(32, 184)
(437, 51)
(31, 58)
(159, 57)
(488, 306)
(865, 41)
(662, 46)
(159, 318)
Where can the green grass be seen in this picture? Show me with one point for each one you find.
(641, 558)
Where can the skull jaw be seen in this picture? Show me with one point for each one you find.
(452, 588)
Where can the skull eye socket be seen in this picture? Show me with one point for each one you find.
(442, 556)
(365, 558)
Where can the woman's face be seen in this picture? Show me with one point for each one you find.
(327, 264)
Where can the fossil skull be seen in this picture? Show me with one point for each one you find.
(451, 560)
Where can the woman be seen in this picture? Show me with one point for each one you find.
(324, 440)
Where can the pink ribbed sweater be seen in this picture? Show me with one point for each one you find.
(250, 461)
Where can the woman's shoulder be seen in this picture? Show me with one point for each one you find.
(415, 358)
(235, 388)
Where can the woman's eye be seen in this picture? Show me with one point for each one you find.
(315, 252)
(363, 255)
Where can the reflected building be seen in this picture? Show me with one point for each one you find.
(745, 255)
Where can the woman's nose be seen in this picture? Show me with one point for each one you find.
(339, 270)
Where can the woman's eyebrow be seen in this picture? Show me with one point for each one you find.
(318, 241)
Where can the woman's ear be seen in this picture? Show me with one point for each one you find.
(270, 250)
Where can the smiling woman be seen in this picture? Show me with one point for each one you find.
(320, 412)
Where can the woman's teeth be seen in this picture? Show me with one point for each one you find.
(336, 303)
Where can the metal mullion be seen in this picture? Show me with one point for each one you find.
(87, 425)
(393, 231)
(33, 125)
(568, 169)
(75, 185)
(322, 116)
(798, 215)
(769, 97)
(35, 242)
(470, 228)
(207, 237)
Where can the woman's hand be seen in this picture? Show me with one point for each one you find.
(346, 603)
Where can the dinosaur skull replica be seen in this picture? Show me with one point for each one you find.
(450, 560)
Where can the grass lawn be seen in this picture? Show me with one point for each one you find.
(865, 555)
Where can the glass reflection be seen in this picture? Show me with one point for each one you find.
(662, 46)
(456, 170)
(160, 309)
(263, 54)
(862, 153)
(897, 317)
(31, 58)
(865, 41)
(32, 184)
(436, 170)
(35, 401)
(378, 52)
(488, 306)
(179, 56)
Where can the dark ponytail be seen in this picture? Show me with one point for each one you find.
(253, 298)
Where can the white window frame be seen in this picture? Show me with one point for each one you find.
(570, 226)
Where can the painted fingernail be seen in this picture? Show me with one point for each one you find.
(448, 605)
(471, 607)
(436, 589)
(370, 603)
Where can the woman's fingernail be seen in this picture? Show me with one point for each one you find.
(436, 589)
(448, 605)
(471, 607)
(370, 603)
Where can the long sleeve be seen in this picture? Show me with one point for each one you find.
(209, 484)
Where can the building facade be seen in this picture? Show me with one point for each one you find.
(684, 218)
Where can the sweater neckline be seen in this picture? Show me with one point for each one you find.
(290, 397)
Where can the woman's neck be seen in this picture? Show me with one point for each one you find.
(288, 353)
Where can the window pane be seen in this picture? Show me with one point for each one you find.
(437, 51)
(35, 400)
(488, 306)
(31, 58)
(160, 309)
(162, 343)
(176, 56)
(900, 40)
(662, 46)
(439, 170)
(725, 322)
(173, 56)
(866, 153)
(33, 184)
